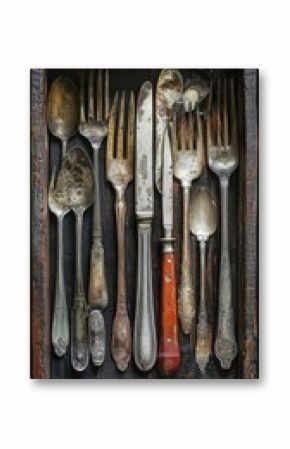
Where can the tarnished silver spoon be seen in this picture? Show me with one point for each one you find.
(76, 179)
(203, 223)
(63, 110)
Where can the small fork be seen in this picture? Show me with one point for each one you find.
(94, 126)
(119, 168)
(222, 143)
(187, 153)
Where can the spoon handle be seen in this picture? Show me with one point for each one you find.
(225, 344)
(169, 352)
(203, 340)
(97, 337)
(121, 335)
(145, 341)
(98, 294)
(60, 323)
(79, 345)
(186, 299)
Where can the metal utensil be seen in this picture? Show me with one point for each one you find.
(187, 151)
(119, 170)
(168, 94)
(145, 341)
(223, 160)
(169, 351)
(93, 125)
(63, 110)
(203, 223)
(60, 321)
(78, 176)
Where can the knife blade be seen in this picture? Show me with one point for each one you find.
(144, 153)
(167, 184)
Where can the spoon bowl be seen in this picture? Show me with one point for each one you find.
(63, 110)
(203, 213)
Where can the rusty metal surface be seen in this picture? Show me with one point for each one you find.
(242, 213)
(40, 294)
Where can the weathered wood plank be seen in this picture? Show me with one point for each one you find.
(40, 308)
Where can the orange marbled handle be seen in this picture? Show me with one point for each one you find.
(169, 352)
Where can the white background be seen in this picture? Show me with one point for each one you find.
(168, 414)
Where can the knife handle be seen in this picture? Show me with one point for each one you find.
(169, 351)
(145, 341)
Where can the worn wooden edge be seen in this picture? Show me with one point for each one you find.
(251, 300)
(39, 238)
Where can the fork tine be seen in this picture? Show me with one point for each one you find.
(183, 131)
(107, 95)
(190, 143)
(99, 95)
(219, 113)
(225, 115)
(233, 112)
(91, 99)
(131, 128)
(174, 134)
(111, 128)
(82, 98)
(199, 138)
(209, 118)
(120, 135)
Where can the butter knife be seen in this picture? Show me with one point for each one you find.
(145, 341)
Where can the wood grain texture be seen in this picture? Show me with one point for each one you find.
(243, 218)
(40, 295)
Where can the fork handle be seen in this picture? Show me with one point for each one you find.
(169, 352)
(121, 334)
(225, 344)
(145, 342)
(98, 293)
(186, 299)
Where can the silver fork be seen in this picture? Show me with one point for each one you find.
(94, 126)
(119, 168)
(60, 322)
(187, 153)
(222, 142)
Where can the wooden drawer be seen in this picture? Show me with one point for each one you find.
(45, 153)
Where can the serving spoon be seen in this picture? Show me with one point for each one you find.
(77, 179)
(63, 110)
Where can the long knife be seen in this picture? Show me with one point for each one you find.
(169, 351)
(145, 341)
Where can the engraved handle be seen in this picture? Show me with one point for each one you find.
(169, 352)
(60, 323)
(97, 337)
(186, 299)
(79, 346)
(225, 344)
(121, 334)
(145, 342)
(98, 294)
(203, 339)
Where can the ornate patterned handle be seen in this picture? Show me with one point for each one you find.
(79, 344)
(98, 294)
(169, 352)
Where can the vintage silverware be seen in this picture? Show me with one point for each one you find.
(223, 160)
(187, 153)
(169, 351)
(60, 321)
(196, 89)
(76, 177)
(93, 125)
(168, 95)
(203, 223)
(63, 110)
(145, 341)
(119, 168)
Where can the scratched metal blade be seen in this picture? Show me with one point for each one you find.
(167, 184)
(144, 153)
